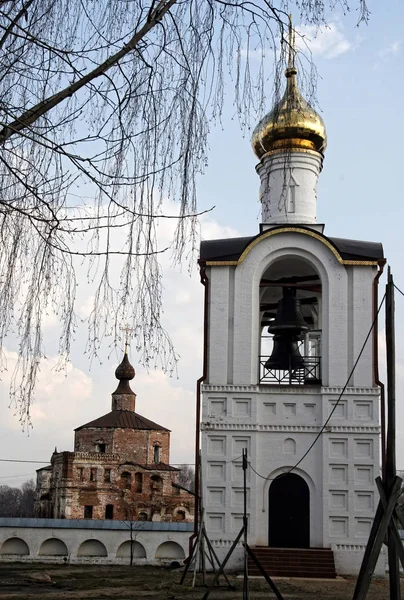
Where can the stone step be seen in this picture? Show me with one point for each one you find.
(294, 562)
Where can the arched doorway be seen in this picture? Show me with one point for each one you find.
(289, 512)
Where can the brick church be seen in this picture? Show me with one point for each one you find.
(119, 468)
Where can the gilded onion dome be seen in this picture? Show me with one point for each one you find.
(292, 123)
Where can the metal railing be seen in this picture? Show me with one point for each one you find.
(310, 374)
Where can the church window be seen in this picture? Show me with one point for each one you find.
(156, 483)
(80, 472)
(109, 511)
(107, 476)
(180, 516)
(88, 512)
(100, 447)
(138, 483)
(142, 516)
(157, 454)
(126, 479)
(93, 474)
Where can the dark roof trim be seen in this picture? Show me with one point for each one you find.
(122, 419)
(232, 251)
(181, 487)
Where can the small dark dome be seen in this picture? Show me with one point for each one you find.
(125, 371)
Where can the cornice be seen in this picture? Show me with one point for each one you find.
(301, 230)
(298, 390)
(212, 426)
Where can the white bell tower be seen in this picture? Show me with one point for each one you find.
(309, 486)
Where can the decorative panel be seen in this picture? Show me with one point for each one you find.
(362, 527)
(363, 448)
(338, 500)
(338, 448)
(215, 523)
(242, 407)
(217, 406)
(363, 410)
(270, 407)
(237, 522)
(215, 497)
(217, 445)
(338, 526)
(217, 471)
(338, 474)
(238, 497)
(340, 411)
(364, 501)
(240, 444)
(289, 409)
(289, 446)
(364, 474)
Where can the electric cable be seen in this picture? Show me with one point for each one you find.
(336, 403)
(398, 290)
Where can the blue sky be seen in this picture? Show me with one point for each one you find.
(360, 91)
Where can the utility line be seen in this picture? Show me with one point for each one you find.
(337, 402)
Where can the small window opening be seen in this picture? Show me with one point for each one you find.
(138, 483)
(126, 479)
(101, 448)
(157, 454)
(142, 516)
(180, 516)
(107, 476)
(93, 474)
(109, 511)
(156, 483)
(81, 473)
(88, 512)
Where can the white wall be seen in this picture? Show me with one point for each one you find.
(101, 545)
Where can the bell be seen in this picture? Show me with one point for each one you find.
(287, 327)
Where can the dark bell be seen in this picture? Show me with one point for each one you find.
(287, 328)
(289, 316)
(285, 354)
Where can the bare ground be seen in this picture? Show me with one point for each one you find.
(150, 583)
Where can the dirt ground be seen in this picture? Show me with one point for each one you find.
(66, 582)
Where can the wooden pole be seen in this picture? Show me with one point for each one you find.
(394, 573)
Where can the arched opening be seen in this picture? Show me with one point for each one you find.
(126, 479)
(156, 453)
(53, 547)
(109, 511)
(170, 550)
(180, 515)
(289, 512)
(138, 483)
(156, 483)
(142, 516)
(92, 548)
(15, 546)
(138, 550)
(290, 311)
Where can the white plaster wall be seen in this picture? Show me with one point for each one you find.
(246, 305)
(73, 538)
(288, 191)
(341, 467)
(219, 303)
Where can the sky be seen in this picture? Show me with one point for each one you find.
(360, 196)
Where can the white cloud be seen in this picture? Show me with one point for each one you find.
(392, 49)
(63, 403)
(328, 42)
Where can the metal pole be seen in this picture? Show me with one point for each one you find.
(246, 593)
(394, 573)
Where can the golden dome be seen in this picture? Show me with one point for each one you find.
(292, 123)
